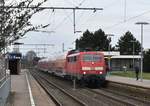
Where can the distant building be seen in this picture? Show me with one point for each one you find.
(30, 55)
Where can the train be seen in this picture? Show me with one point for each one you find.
(88, 67)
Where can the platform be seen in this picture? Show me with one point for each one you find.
(131, 81)
(21, 94)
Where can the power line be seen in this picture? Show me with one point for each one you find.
(87, 20)
(68, 16)
(75, 1)
(131, 18)
(125, 10)
(70, 2)
(111, 4)
(81, 2)
(64, 19)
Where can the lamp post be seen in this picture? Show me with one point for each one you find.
(110, 35)
(142, 24)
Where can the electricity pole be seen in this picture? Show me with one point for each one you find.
(142, 24)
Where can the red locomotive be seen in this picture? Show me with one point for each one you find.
(86, 66)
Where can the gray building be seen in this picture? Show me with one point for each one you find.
(124, 62)
(121, 62)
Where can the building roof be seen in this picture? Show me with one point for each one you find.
(126, 57)
(111, 53)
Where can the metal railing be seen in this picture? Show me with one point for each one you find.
(5, 81)
(5, 86)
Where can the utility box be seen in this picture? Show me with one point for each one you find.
(14, 63)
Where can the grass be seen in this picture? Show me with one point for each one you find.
(130, 74)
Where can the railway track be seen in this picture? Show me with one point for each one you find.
(96, 97)
(120, 97)
(59, 95)
(82, 96)
(138, 92)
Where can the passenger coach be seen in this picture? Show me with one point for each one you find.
(87, 67)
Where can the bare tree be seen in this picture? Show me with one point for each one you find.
(15, 22)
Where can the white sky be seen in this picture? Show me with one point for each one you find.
(111, 20)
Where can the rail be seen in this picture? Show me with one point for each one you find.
(64, 91)
(47, 91)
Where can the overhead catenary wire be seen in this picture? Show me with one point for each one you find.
(87, 20)
(75, 1)
(68, 16)
(110, 4)
(129, 19)
(76, 8)
(93, 13)
(69, 2)
(81, 2)
(61, 23)
(52, 20)
(125, 10)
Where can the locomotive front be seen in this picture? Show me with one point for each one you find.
(93, 67)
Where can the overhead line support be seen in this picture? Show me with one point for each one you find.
(58, 8)
(66, 8)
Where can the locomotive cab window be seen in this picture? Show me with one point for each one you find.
(75, 58)
(72, 59)
(91, 57)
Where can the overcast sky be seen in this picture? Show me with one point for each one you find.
(114, 19)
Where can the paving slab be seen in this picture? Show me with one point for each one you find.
(127, 80)
(20, 94)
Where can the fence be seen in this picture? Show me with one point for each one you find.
(2, 67)
(5, 82)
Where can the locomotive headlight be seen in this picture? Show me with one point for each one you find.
(99, 68)
(84, 73)
(100, 72)
(86, 68)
